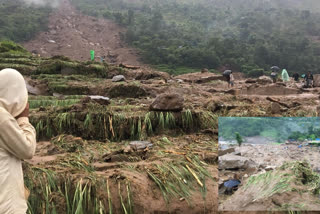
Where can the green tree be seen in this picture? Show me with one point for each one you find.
(239, 138)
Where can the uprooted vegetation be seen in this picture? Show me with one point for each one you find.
(85, 162)
(100, 123)
(279, 190)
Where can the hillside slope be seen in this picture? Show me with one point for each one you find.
(74, 35)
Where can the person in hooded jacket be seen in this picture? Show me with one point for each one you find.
(17, 141)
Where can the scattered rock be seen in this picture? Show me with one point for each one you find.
(118, 78)
(168, 102)
(101, 100)
(231, 161)
(204, 70)
(210, 158)
(179, 81)
(264, 80)
(269, 168)
(218, 105)
(226, 151)
(199, 77)
(275, 108)
(140, 145)
(250, 81)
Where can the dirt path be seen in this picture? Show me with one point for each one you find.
(73, 34)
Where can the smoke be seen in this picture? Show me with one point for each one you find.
(42, 3)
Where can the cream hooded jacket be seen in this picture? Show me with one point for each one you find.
(17, 142)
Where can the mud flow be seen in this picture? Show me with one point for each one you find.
(262, 175)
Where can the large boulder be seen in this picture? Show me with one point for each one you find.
(275, 108)
(231, 161)
(168, 102)
(140, 145)
(118, 78)
(264, 80)
(250, 81)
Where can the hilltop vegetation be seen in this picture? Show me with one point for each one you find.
(250, 35)
(278, 129)
(20, 22)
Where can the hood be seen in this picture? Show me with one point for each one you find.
(13, 91)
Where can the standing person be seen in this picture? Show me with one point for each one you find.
(309, 80)
(296, 77)
(274, 76)
(226, 74)
(285, 75)
(102, 59)
(17, 141)
(231, 82)
(274, 73)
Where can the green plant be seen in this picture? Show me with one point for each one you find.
(239, 138)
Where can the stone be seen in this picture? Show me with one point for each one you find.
(226, 151)
(231, 161)
(100, 99)
(118, 78)
(269, 168)
(250, 81)
(168, 102)
(264, 80)
(204, 70)
(275, 108)
(140, 145)
(179, 81)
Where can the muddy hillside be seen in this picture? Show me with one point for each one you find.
(73, 34)
(132, 140)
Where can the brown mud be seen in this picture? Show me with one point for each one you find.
(73, 34)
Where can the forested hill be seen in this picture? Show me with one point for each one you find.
(277, 128)
(20, 21)
(249, 35)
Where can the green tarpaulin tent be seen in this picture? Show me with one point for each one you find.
(285, 75)
(92, 55)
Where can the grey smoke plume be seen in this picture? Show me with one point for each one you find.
(42, 3)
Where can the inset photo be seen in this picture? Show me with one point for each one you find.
(269, 164)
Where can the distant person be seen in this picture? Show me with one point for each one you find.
(296, 77)
(231, 81)
(17, 141)
(226, 75)
(308, 80)
(285, 76)
(274, 75)
(102, 59)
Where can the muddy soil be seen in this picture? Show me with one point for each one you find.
(73, 34)
(147, 198)
(269, 157)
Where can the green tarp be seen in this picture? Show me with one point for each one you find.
(92, 55)
(285, 75)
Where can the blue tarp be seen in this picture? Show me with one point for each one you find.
(232, 183)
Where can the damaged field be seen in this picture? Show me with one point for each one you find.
(270, 173)
(144, 142)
